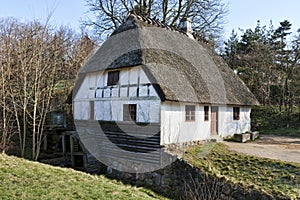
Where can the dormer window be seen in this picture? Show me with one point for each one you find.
(113, 78)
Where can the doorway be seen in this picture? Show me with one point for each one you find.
(214, 120)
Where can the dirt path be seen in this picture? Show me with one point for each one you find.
(268, 146)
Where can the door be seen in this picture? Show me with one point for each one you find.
(214, 120)
(92, 110)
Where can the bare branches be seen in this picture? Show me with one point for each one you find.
(34, 58)
(211, 19)
(207, 16)
(6, 121)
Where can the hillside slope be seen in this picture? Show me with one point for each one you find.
(22, 179)
(277, 178)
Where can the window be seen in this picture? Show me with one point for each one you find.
(206, 113)
(189, 113)
(129, 112)
(113, 78)
(236, 113)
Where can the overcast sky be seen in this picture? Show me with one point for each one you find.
(242, 13)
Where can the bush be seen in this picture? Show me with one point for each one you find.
(268, 119)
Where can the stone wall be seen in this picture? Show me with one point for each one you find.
(181, 180)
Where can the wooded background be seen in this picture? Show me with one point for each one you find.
(267, 60)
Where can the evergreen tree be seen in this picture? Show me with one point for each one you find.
(268, 63)
(295, 73)
(249, 57)
(231, 47)
(282, 60)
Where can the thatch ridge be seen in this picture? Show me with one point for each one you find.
(133, 19)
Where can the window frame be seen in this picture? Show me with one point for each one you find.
(190, 113)
(113, 77)
(129, 112)
(236, 113)
(206, 113)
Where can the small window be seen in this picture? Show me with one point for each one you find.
(189, 113)
(206, 113)
(236, 113)
(129, 112)
(113, 78)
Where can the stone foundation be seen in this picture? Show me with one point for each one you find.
(181, 180)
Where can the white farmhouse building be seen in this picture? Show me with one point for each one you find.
(164, 84)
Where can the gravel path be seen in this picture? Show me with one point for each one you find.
(269, 146)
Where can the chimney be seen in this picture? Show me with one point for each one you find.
(186, 25)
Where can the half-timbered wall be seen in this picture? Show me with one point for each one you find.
(133, 87)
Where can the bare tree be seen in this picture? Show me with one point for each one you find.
(9, 44)
(6, 117)
(75, 49)
(207, 15)
(35, 58)
(53, 61)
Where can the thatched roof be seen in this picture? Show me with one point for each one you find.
(184, 68)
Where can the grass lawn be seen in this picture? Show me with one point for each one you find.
(290, 132)
(274, 177)
(22, 179)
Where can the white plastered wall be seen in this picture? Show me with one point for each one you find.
(228, 126)
(174, 127)
(108, 101)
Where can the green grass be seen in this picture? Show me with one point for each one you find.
(22, 179)
(290, 132)
(273, 177)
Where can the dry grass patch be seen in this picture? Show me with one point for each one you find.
(274, 177)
